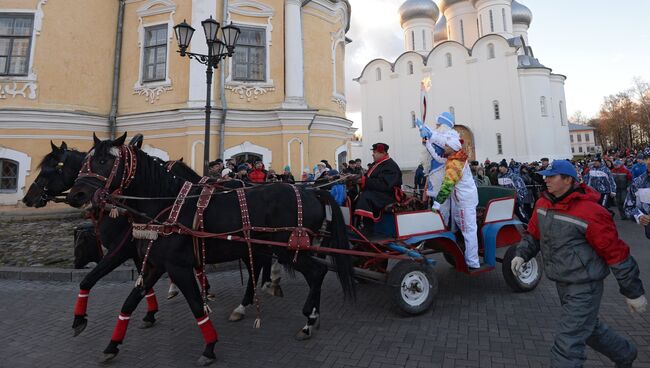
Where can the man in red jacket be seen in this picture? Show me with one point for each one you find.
(258, 175)
(580, 245)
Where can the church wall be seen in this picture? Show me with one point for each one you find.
(561, 124)
(467, 13)
(535, 84)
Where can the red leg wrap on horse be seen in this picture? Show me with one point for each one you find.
(120, 327)
(82, 303)
(152, 302)
(207, 329)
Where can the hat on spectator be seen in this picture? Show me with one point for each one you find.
(474, 163)
(618, 162)
(225, 172)
(560, 167)
(242, 167)
(380, 147)
(646, 152)
(503, 163)
(287, 168)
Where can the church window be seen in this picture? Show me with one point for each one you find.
(579, 137)
(491, 54)
(503, 15)
(15, 43)
(586, 137)
(497, 110)
(249, 61)
(409, 67)
(413, 125)
(448, 60)
(571, 137)
(378, 74)
(491, 21)
(580, 149)
(499, 144)
(542, 104)
(154, 61)
(424, 40)
(479, 28)
(381, 123)
(413, 40)
(462, 32)
(452, 111)
(8, 175)
(562, 114)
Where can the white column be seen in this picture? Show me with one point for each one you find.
(293, 56)
(201, 10)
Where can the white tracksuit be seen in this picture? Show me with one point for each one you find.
(464, 200)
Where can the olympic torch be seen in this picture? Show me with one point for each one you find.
(425, 132)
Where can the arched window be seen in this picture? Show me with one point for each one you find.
(497, 111)
(424, 40)
(479, 28)
(542, 105)
(491, 54)
(491, 21)
(381, 123)
(8, 175)
(413, 125)
(378, 72)
(562, 116)
(503, 15)
(413, 40)
(448, 60)
(409, 68)
(452, 111)
(462, 32)
(499, 144)
(249, 157)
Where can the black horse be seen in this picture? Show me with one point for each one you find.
(272, 206)
(58, 171)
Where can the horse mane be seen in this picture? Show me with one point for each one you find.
(183, 170)
(151, 175)
(52, 156)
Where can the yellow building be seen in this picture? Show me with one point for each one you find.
(64, 74)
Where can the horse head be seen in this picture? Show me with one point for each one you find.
(58, 171)
(103, 168)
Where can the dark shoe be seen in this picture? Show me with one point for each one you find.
(628, 364)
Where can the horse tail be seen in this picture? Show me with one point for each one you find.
(339, 240)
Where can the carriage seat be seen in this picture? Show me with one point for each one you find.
(487, 194)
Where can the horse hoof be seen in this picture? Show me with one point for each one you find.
(303, 335)
(107, 357)
(79, 326)
(172, 294)
(204, 361)
(147, 324)
(235, 317)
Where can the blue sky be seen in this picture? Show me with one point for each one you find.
(599, 45)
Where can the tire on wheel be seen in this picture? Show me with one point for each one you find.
(413, 286)
(530, 276)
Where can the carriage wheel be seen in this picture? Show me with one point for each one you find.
(530, 276)
(413, 286)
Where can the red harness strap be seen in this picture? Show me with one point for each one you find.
(299, 238)
(201, 205)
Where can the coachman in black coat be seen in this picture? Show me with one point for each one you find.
(381, 185)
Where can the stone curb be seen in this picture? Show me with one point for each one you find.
(31, 215)
(72, 275)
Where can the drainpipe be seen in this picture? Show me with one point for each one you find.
(112, 116)
(224, 103)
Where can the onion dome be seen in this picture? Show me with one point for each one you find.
(413, 9)
(521, 14)
(440, 31)
(444, 4)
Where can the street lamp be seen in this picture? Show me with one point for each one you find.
(218, 48)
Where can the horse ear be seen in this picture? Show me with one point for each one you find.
(119, 141)
(95, 139)
(181, 159)
(54, 147)
(137, 140)
(64, 146)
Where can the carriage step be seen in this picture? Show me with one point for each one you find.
(484, 268)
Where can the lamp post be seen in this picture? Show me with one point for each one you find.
(218, 49)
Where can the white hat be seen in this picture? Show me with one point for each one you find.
(225, 172)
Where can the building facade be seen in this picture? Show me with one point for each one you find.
(482, 70)
(64, 76)
(583, 140)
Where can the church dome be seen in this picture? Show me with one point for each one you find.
(521, 14)
(444, 4)
(413, 9)
(440, 32)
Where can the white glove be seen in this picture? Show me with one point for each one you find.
(436, 206)
(515, 265)
(612, 194)
(637, 305)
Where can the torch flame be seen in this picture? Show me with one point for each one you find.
(426, 84)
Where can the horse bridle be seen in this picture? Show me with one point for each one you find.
(130, 164)
(45, 195)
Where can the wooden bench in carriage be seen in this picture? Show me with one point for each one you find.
(421, 234)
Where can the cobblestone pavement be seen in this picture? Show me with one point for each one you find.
(38, 243)
(475, 322)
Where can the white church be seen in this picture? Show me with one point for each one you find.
(482, 69)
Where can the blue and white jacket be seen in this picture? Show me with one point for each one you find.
(600, 179)
(637, 202)
(514, 181)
